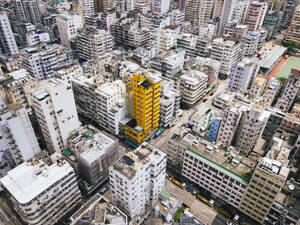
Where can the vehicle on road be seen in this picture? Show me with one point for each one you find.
(205, 200)
(229, 223)
(236, 218)
(204, 100)
(180, 184)
(103, 190)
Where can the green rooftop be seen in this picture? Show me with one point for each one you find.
(218, 166)
(292, 62)
(67, 153)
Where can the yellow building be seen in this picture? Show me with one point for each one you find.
(146, 106)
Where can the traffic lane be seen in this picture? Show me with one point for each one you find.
(219, 220)
(200, 210)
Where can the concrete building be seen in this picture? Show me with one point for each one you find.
(47, 193)
(177, 17)
(104, 5)
(87, 7)
(271, 91)
(207, 31)
(209, 169)
(137, 180)
(54, 106)
(164, 39)
(293, 29)
(27, 11)
(243, 74)
(124, 6)
(37, 37)
(199, 12)
(258, 86)
(169, 103)
(17, 90)
(251, 42)
(291, 124)
(169, 63)
(229, 124)
(273, 123)
(288, 10)
(192, 85)
(99, 101)
(160, 6)
(100, 210)
(272, 23)
(291, 90)
(95, 152)
(18, 134)
(8, 45)
(253, 122)
(68, 25)
(193, 45)
(42, 61)
(146, 107)
(227, 52)
(266, 183)
(67, 74)
(256, 15)
(92, 43)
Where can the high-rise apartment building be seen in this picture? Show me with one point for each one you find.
(146, 108)
(164, 39)
(227, 52)
(42, 194)
(291, 89)
(92, 43)
(199, 12)
(293, 29)
(288, 10)
(252, 125)
(8, 45)
(256, 15)
(68, 26)
(99, 101)
(95, 152)
(87, 7)
(125, 5)
(137, 180)
(54, 106)
(242, 74)
(160, 6)
(18, 134)
(27, 11)
(272, 23)
(42, 61)
(181, 5)
(105, 5)
(266, 183)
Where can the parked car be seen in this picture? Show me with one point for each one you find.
(103, 190)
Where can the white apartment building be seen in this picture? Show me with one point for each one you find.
(68, 25)
(251, 41)
(209, 168)
(8, 43)
(242, 74)
(227, 52)
(193, 45)
(68, 73)
(137, 179)
(291, 90)
(54, 106)
(37, 37)
(252, 125)
(177, 17)
(207, 30)
(18, 134)
(103, 103)
(192, 85)
(95, 152)
(169, 63)
(41, 61)
(88, 8)
(161, 6)
(92, 43)
(18, 89)
(42, 194)
(164, 39)
(124, 6)
(169, 103)
(199, 11)
(229, 123)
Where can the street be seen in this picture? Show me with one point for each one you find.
(199, 209)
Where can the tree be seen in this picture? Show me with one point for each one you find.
(291, 45)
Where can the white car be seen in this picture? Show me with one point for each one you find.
(229, 223)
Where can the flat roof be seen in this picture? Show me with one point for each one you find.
(29, 179)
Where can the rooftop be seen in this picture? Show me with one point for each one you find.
(39, 177)
(225, 160)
